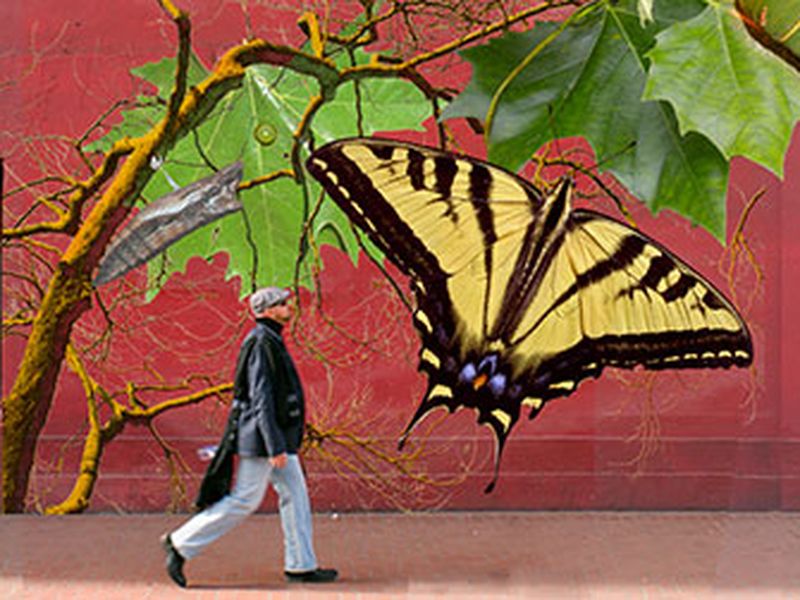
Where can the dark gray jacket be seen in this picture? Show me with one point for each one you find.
(269, 392)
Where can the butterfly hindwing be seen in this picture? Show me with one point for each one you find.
(519, 297)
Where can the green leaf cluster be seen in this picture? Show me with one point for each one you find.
(746, 101)
(665, 101)
(256, 124)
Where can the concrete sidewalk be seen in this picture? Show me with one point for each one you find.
(474, 555)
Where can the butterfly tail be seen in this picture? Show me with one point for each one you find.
(423, 410)
(500, 443)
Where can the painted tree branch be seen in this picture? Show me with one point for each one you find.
(397, 479)
(101, 434)
(69, 220)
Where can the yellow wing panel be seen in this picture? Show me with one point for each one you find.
(446, 219)
(548, 329)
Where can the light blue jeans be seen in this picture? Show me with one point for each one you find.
(252, 477)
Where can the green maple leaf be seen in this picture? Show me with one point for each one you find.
(588, 81)
(138, 121)
(723, 85)
(263, 242)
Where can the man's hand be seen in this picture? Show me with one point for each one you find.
(279, 461)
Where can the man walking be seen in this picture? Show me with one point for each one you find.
(270, 398)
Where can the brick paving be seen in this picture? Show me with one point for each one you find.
(420, 555)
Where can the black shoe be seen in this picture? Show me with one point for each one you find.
(315, 576)
(174, 561)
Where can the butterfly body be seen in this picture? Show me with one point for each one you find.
(520, 297)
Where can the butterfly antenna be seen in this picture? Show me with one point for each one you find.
(611, 157)
(591, 169)
(540, 159)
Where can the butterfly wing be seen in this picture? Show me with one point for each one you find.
(519, 298)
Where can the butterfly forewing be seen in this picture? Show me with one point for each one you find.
(661, 312)
(437, 216)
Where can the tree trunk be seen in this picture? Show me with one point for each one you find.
(28, 404)
(66, 299)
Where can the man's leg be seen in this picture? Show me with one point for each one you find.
(210, 524)
(295, 511)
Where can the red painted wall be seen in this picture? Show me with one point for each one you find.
(719, 440)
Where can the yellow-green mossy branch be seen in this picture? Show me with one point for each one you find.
(69, 290)
(100, 435)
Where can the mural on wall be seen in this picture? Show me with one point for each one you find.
(267, 103)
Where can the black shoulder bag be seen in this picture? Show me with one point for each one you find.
(216, 482)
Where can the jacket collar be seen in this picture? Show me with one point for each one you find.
(271, 324)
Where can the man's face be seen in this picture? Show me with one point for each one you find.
(282, 313)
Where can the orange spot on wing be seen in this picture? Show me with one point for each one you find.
(480, 381)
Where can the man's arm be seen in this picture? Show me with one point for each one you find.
(261, 376)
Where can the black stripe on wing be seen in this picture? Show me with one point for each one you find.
(539, 244)
(561, 374)
(480, 185)
(371, 212)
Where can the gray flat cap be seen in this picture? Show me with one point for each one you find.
(267, 298)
